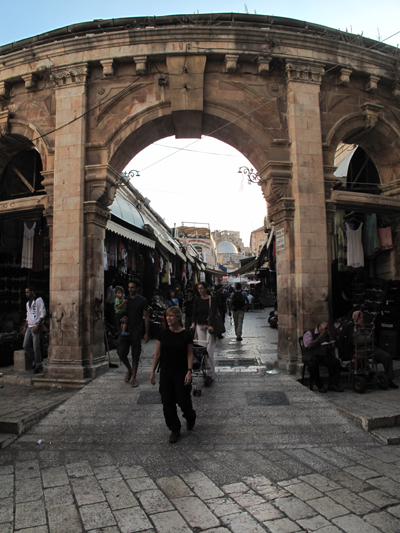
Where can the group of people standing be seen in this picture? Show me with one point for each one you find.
(174, 351)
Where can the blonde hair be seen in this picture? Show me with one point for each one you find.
(175, 310)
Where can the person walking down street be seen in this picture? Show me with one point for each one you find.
(221, 303)
(170, 300)
(35, 315)
(237, 303)
(120, 308)
(188, 308)
(319, 351)
(174, 351)
(204, 311)
(136, 311)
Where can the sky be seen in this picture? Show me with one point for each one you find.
(200, 183)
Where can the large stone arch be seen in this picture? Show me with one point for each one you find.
(282, 92)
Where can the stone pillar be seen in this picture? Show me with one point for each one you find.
(68, 354)
(96, 217)
(303, 279)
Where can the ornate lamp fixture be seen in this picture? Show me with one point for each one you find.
(125, 177)
(252, 176)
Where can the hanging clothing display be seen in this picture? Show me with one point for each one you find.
(385, 238)
(27, 246)
(371, 237)
(38, 252)
(355, 252)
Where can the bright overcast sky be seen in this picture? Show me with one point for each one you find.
(201, 183)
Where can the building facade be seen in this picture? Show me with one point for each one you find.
(78, 103)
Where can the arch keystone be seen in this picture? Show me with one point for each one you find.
(187, 94)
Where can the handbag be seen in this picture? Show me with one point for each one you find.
(217, 324)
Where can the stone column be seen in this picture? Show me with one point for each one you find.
(303, 279)
(68, 357)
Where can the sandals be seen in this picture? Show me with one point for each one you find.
(128, 376)
(134, 383)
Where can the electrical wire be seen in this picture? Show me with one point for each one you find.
(196, 140)
(254, 109)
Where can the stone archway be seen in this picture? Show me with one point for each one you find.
(281, 97)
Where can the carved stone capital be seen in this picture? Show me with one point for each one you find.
(101, 183)
(396, 91)
(231, 61)
(296, 71)
(48, 182)
(329, 179)
(70, 75)
(4, 91)
(108, 68)
(4, 124)
(372, 84)
(30, 81)
(275, 180)
(281, 210)
(48, 213)
(141, 64)
(96, 213)
(263, 65)
(344, 76)
(371, 112)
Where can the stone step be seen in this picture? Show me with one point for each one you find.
(12, 428)
(6, 439)
(388, 435)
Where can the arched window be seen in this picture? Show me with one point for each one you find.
(362, 175)
(21, 176)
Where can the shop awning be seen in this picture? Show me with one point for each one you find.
(246, 268)
(129, 234)
(126, 211)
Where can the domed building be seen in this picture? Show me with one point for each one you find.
(228, 255)
(226, 247)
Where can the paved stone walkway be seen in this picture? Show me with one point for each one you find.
(266, 454)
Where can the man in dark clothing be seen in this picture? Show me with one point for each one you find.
(238, 302)
(137, 309)
(188, 308)
(319, 351)
(221, 303)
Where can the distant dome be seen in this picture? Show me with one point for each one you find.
(226, 247)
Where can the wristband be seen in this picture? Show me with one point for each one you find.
(190, 369)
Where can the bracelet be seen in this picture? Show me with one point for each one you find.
(190, 369)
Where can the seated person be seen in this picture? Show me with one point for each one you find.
(317, 352)
(347, 343)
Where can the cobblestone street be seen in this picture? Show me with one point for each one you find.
(266, 454)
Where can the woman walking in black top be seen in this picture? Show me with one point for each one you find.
(204, 311)
(175, 353)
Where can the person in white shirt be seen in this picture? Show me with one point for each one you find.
(35, 314)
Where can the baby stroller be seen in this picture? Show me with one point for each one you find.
(200, 364)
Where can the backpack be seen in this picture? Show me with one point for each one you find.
(238, 301)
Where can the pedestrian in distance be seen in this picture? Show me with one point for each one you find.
(174, 352)
(170, 300)
(136, 311)
(204, 312)
(188, 308)
(35, 315)
(120, 308)
(220, 296)
(237, 303)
